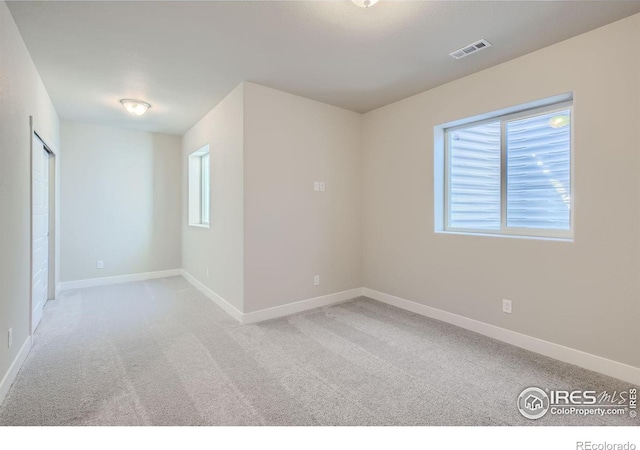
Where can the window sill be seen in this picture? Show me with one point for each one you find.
(513, 236)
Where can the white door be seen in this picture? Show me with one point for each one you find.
(40, 203)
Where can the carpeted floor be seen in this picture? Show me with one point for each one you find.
(159, 353)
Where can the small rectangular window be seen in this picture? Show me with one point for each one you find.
(510, 173)
(199, 188)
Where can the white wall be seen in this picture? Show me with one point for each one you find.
(220, 247)
(21, 94)
(292, 232)
(584, 294)
(120, 201)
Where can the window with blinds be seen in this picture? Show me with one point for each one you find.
(511, 174)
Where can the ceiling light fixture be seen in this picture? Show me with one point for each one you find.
(365, 3)
(135, 107)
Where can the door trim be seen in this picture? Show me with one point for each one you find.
(34, 134)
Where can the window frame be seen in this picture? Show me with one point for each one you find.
(199, 201)
(205, 189)
(519, 114)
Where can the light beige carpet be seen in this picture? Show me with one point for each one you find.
(159, 353)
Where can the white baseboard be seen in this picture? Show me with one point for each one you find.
(299, 306)
(218, 300)
(276, 311)
(599, 364)
(91, 282)
(8, 378)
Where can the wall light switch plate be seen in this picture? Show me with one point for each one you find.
(506, 306)
(316, 280)
(316, 186)
(322, 186)
(99, 264)
(10, 337)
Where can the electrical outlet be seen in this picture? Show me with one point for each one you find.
(316, 280)
(506, 306)
(10, 337)
(99, 264)
(322, 186)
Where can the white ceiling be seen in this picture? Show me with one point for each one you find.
(184, 57)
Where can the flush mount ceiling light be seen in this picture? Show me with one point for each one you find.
(365, 3)
(135, 107)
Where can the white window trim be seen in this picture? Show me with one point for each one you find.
(205, 197)
(441, 163)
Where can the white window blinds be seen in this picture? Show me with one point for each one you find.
(474, 177)
(539, 172)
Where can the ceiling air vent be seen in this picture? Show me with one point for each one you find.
(469, 49)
